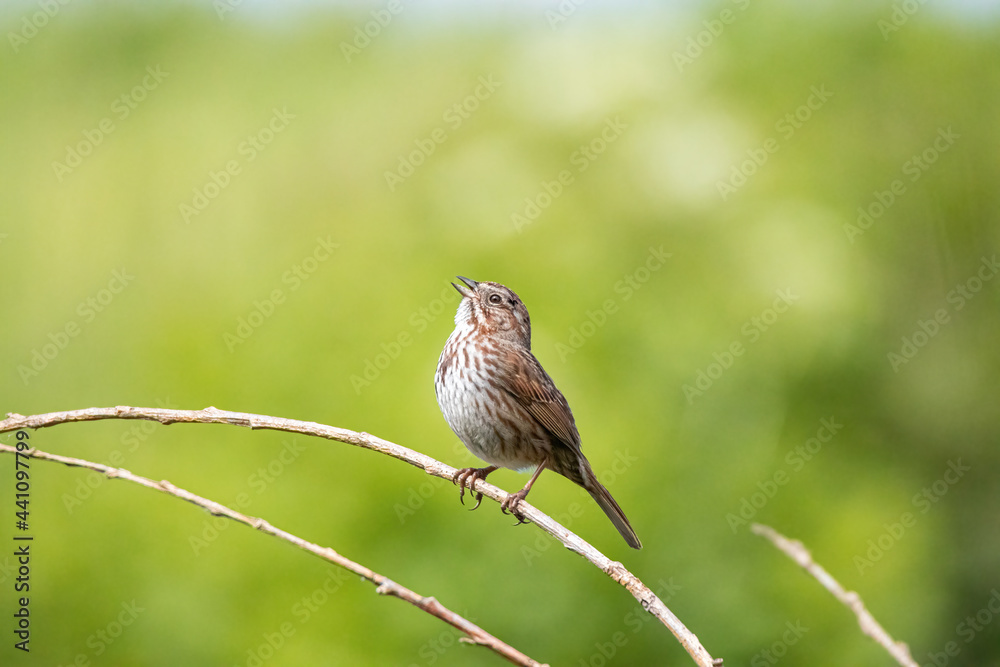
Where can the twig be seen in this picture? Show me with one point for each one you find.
(649, 601)
(797, 552)
(385, 586)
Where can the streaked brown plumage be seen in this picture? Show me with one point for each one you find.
(503, 405)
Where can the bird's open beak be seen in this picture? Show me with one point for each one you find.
(462, 290)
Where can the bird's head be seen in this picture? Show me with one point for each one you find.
(493, 310)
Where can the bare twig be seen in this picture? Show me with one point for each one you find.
(797, 552)
(385, 586)
(649, 601)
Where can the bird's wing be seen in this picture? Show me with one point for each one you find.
(525, 379)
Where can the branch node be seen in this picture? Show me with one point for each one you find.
(474, 640)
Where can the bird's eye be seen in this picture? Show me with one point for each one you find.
(496, 298)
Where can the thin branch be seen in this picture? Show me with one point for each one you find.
(649, 601)
(797, 552)
(385, 586)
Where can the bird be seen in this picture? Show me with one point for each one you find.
(504, 407)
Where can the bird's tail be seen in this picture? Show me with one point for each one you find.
(603, 498)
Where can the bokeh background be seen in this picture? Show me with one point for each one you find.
(238, 204)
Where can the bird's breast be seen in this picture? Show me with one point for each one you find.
(486, 417)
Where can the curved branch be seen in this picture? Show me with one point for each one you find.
(797, 552)
(384, 585)
(649, 601)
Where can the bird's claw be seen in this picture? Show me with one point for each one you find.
(509, 506)
(468, 476)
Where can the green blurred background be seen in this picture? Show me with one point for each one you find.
(740, 138)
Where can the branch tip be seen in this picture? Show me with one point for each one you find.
(795, 550)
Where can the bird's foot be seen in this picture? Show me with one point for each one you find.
(510, 503)
(467, 477)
